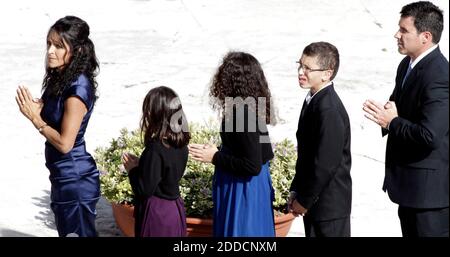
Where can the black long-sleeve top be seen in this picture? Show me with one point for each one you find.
(246, 142)
(159, 172)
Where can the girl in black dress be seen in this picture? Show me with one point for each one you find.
(155, 176)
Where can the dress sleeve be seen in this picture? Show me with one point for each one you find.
(246, 162)
(244, 153)
(81, 88)
(145, 178)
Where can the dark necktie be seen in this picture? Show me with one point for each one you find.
(406, 75)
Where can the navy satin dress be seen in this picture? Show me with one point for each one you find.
(74, 176)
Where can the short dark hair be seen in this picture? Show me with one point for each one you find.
(163, 118)
(327, 55)
(427, 17)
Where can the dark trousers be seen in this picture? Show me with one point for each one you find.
(328, 228)
(423, 222)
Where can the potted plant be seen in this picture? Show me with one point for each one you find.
(196, 184)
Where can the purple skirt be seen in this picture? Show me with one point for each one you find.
(158, 217)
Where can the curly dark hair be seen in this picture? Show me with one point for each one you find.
(240, 75)
(74, 32)
(163, 118)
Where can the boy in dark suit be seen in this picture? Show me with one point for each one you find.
(416, 121)
(321, 191)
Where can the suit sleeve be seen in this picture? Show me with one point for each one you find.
(384, 131)
(401, 70)
(294, 183)
(145, 178)
(433, 119)
(327, 158)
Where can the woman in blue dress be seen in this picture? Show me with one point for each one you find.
(242, 187)
(62, 116)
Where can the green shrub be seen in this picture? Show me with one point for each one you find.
(196, 184)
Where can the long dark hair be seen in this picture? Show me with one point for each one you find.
(75, 33)
(240, 75)
(163, 118)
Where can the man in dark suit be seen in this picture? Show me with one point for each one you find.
(416, 122)
(322, 187)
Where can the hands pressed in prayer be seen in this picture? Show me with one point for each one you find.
(380, 114)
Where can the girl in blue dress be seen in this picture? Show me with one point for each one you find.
(62, 116)
(242, 187)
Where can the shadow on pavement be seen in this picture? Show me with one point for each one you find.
(46, 215)
(13, 233)
(105, 223)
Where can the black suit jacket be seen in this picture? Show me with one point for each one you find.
(322, 180)
(417, 146)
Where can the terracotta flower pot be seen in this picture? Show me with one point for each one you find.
(283, 224)
(123, 214)
(203, 227)
(196, 227)
(199, 227)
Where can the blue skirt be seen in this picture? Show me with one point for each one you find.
(243, 205)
